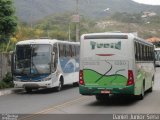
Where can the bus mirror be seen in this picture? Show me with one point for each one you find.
(12, 53)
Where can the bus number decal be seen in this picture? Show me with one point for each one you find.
(120, 62)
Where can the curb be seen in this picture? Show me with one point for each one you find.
(9, 91)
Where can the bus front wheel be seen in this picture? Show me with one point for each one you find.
(28, 90)
(59, 87)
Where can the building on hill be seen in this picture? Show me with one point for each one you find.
(155, 41)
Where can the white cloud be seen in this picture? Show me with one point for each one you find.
(150, 2)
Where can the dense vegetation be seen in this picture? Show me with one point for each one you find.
(33, 10)
(8, 22)
(6, 82)
(61, 27)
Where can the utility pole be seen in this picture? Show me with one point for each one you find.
(31, 15)
(76, 20)
(69, 32)
(77, 23)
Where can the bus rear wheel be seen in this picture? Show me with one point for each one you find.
(102, 97)
(75, 84)
(151, 88)
(141, 96)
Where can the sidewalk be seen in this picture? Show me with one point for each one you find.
(9, 91)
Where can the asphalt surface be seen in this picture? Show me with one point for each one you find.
(10, 91)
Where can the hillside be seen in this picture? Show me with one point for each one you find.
(33, 10)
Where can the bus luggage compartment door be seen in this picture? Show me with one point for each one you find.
(105, 72)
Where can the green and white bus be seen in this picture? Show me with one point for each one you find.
(115, 63)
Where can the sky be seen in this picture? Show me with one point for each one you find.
(150, 2)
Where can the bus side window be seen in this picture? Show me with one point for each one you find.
(148, 53)
(77, 51)
(55, 58)
(153, 54)
(60, 50)
(157, 56)
(135, 49)
(73, 50)
(144, 53)
(64, 47)
(70, 51)
(138, 52)
(67, 51)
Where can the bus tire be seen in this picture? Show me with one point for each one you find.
(60, 85)
(102, 98)
(28, 90)
(151, 88)
(75, 84)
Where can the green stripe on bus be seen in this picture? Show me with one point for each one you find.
(92, 77)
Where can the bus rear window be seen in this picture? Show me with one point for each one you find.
(106, 37)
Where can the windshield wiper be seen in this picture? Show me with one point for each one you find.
(35, 68)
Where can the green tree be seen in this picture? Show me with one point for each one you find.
(8, 21)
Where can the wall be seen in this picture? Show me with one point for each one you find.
(5, 64)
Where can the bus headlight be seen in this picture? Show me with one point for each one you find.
(16, 79)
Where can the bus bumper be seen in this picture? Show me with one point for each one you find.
(87, 90)
(42, 84)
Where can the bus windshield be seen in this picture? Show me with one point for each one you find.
(157, 55)
(33, 59)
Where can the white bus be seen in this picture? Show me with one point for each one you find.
(157, 57)
(115, 63)
(45, 63)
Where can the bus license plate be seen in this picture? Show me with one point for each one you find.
(105, 91)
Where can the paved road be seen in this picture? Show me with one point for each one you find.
(29, 103)
(69, 101)
(117, 104)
